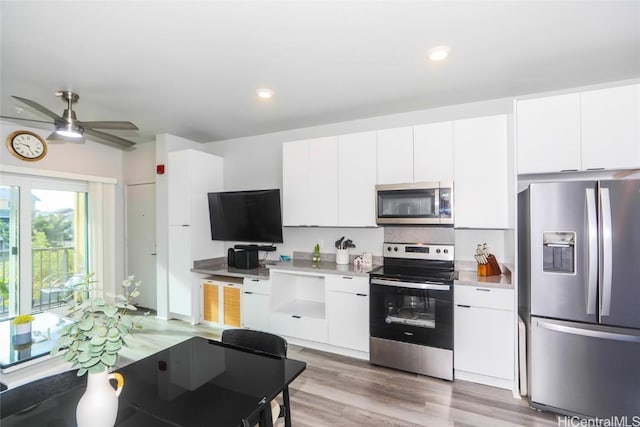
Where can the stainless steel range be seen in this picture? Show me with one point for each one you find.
(411, 309)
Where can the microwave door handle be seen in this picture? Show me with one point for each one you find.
(436, 202)
(605, 208)
(592, 251)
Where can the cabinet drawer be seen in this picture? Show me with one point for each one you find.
(348, 284)
(307, 328)
(257, 286)
(478, 296)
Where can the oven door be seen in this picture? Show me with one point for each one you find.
(418, 313)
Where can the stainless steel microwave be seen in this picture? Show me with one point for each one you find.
(415, 204)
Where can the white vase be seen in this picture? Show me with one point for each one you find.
(342, 256)
(98, 406)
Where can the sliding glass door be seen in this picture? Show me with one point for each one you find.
(46, 247)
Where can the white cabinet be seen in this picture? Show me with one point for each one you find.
(611, 128)
(395, 155)
(548, 132)
(348, 311)
(484, 335)
(310, 182)
(298, 305)
(481, 173)
(591, 130)
(356, 179)
(433, 152)
(255, 304)
(191, 175)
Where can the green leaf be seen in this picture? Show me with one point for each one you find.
(100, 331)
(84, 357)
(97, 340)
(86, 324)
(108, 359)
(81, 372)
(96, 369)
(113, 346)
(110, 310)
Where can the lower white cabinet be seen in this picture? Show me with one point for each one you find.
(298, 305)
(348, 312)
(484, 335)
(255, 304)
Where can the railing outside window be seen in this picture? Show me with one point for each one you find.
(48, 264)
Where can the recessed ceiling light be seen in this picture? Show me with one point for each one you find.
(264, 93)
(439, 53)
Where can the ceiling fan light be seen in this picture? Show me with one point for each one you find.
(70, 131)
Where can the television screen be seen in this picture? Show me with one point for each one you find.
(246, 216)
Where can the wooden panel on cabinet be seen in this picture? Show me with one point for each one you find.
(395, 156)
(548, 134)
(357, 179)
(611, 128)
(232, 306)
(433, 152)
(481, 173)
(211, 303)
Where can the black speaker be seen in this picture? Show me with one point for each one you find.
(244, 259)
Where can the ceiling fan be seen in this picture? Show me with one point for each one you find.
(69, 128)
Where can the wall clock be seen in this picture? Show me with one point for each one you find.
(27, 145)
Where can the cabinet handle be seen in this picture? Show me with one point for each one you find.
(463, 306)
(247, 292)
(569, 170)
(295, 316)
(483, 290)
(255, 280)
(185, 225)
(347, 277)
(362, 295)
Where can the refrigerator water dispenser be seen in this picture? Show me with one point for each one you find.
(558, 252)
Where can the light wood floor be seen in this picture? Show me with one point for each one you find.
(341, 391)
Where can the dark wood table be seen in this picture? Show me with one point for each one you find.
(198, 382)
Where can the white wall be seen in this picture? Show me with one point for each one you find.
(255, 162)
(90, 158)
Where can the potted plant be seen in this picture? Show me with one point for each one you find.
(22, 329)
(92, 343)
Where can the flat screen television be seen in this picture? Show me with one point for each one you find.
(246, 216)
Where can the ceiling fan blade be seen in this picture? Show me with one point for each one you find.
(38, 107)
(110, 139)
(115, 125)
(26, 120)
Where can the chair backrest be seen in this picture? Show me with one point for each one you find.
(256, 340)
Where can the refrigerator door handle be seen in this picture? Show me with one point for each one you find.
(588, 332)
(605, 206)
(592, 263)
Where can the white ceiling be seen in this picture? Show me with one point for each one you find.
(191, 68)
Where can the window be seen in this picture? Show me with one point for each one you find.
(43, 242)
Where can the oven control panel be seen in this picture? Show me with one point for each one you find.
(418, 251)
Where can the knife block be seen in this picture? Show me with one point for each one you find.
(491, 268)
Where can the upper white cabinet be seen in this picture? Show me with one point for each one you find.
(481, 173)
(591, 130)
(395, 155)
(356, 179)
(433, 152)
(549, 134)
(611, 128)
(310, 182)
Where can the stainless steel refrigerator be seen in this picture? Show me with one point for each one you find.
(579, 293)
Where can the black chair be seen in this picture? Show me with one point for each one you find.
(266, 343)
